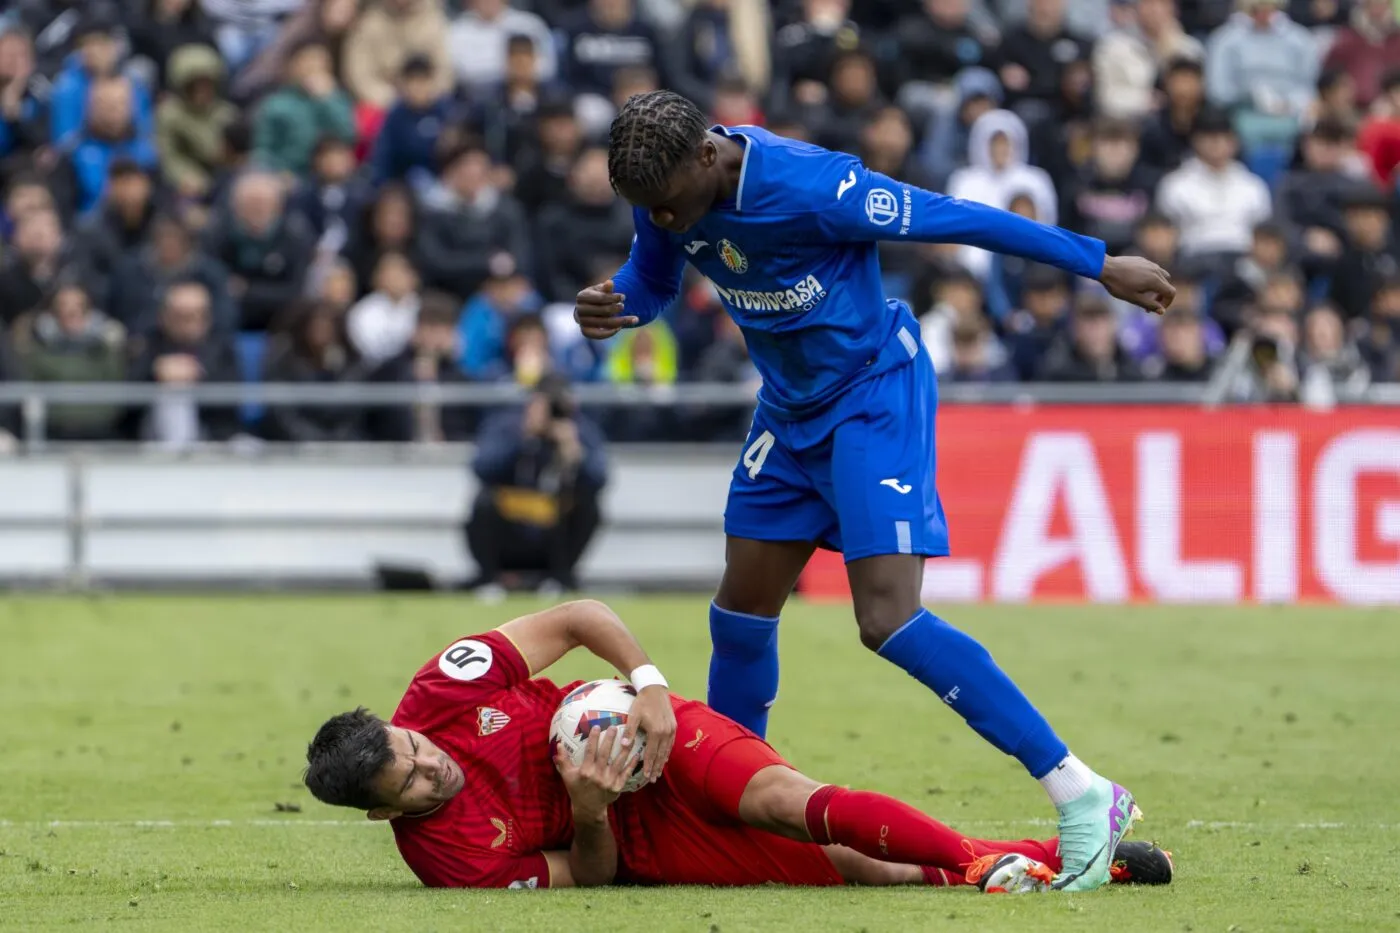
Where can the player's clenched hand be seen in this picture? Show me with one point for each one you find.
(595, 782)
(653, 716)
(599, 311)
(1138, 280)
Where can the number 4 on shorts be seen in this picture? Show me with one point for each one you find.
(757, 453)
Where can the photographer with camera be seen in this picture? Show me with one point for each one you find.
(541, 470)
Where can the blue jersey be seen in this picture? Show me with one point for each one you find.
(793, 257)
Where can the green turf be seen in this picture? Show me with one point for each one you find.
(1261, 743)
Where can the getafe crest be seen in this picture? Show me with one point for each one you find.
(733, 257)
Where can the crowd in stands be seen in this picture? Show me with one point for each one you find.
(331, 191)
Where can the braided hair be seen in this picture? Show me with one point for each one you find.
(652, 136)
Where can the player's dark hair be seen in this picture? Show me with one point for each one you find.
(345, 757)
(652, 136)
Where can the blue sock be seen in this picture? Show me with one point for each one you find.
(743, 667)
(960, 671)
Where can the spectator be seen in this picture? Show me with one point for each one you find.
(507, 116)
(1336, 98)
(385, 36)
(99, 57)
(185, 348)
(720, 39)
(997, 171)
(243, 28)
(1261, 365)
(806, 50)
(1166, 137)
(1033, 56)
(24, 98)
(1330, 365)
(192, 120)
(1379, 138)
(852, 104)
(1311, 198)
(172, 256)
(977, 356)
(72, 342)
(478, 38)
(1156, 238)
(506, 297)
(1089, 351)
(1262, 66)
(1039, 323)
(957, 299)
(592, 221)
(266, 250)
(234, 161)
(384, 225)
(430, 357)
(118, 230)
(165, 26)
(380, 324)
(976, 91)
(601, 38)
(469, 220)
(542, 171)
(1184, 356)
(25, 194)
(325, 21)
(108, 135)
(30, 270)
(1127, 59)
(1371, 255)
(649, 359)
(1110, 194)
(333, 197)
(1267, 259)
(1367, 47)
(1213, 199)
(541, 472)
(528, 357)
(1379, 335)
(336, 285)
(940, 41)
(307, 108)
(1006, 272)
(315, 351)
(733, 104)
(53, 47)
(405, 147)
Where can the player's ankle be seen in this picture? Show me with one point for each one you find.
(1068, 781)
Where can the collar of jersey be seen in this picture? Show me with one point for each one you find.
(732, 132)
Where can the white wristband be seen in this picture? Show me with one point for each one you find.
(647, 676)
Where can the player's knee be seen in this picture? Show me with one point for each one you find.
(752, 597)
(878, 620)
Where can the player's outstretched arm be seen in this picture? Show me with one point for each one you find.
(870, 206)
(544, 637)
(644, 287)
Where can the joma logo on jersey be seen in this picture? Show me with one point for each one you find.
(803, 296)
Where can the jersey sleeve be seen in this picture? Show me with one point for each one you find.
(455, 867)
(651, 278)
(464, 674)
(864, 206)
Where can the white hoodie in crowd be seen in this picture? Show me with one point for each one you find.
(983, 182)
(1215, 211)
(380, 327)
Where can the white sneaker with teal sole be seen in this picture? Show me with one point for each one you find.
(1091, 826)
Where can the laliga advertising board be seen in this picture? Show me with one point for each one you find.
(1118, 503)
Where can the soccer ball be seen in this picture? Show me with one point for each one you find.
(601, 703)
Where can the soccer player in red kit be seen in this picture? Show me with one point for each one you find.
(464, 775)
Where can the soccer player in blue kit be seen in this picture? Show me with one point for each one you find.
(841, 453)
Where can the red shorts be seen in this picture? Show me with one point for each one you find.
(685, 828)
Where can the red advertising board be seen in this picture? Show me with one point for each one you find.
(1129, 503)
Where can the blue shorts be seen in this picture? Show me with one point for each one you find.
(856, 478)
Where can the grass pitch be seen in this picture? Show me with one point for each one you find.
(151, 749)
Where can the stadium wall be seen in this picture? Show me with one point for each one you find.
(1102, 503)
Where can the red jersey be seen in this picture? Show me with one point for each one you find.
(477, 703)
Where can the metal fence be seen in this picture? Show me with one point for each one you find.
(34, 399)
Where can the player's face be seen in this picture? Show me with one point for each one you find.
(687, 196)
(421, 776)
